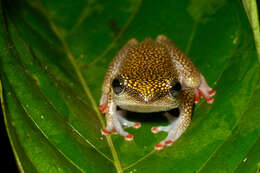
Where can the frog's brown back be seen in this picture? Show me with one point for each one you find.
(148, 68)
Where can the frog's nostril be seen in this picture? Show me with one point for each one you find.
(146, 99)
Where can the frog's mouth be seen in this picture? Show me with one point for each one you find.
(146, 108)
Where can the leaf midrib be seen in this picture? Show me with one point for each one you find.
(83, 83)
(39, 128)
(53, 106)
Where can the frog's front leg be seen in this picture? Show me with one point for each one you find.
(115, 121)
(178, 125)
(188, 74)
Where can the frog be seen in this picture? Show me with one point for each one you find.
(152, 76)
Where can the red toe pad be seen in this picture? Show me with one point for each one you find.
(103, 108)
(158, 147)
(155, 129)
(105, 132)
(168, 143)
(210, 100)
(137, 125)
(129, 137)
(197, 99)
(212, 92)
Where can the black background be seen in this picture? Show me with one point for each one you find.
(8, 162)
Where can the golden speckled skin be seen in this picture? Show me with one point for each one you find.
(187, 71)
(147, 69)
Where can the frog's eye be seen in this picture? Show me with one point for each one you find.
(118, 85)
(175, 88)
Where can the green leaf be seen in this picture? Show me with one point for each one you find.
(252, 13)
(53, 59)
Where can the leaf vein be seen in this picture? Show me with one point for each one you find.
(54, 77)
(83, 83)
(225, 140)
(44, 135)
(246, 153)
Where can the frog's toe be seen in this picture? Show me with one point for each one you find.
(168, 143)
(103, 103)
(212, 92)
(197, 100)
(210, 100)
(163, 143)
(174, 130)
(103, 108)
(196, 95)
(137, 125)
(125, 122)
(129, 137)
(105, 132)
(158, 147)
(154, 129)
(158, 129)
(208, 95)
(173, 135)
(204, 91)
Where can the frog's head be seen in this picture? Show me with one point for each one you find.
(145, 96)
(147, 80)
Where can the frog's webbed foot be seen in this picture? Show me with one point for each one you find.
(177, 124)
(204, 91)
(115, 123)
(125, 122)
(175, 130)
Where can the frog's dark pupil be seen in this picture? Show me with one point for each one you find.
(176, 87)
(118, 85)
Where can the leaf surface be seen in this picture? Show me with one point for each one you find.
(53, 60)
